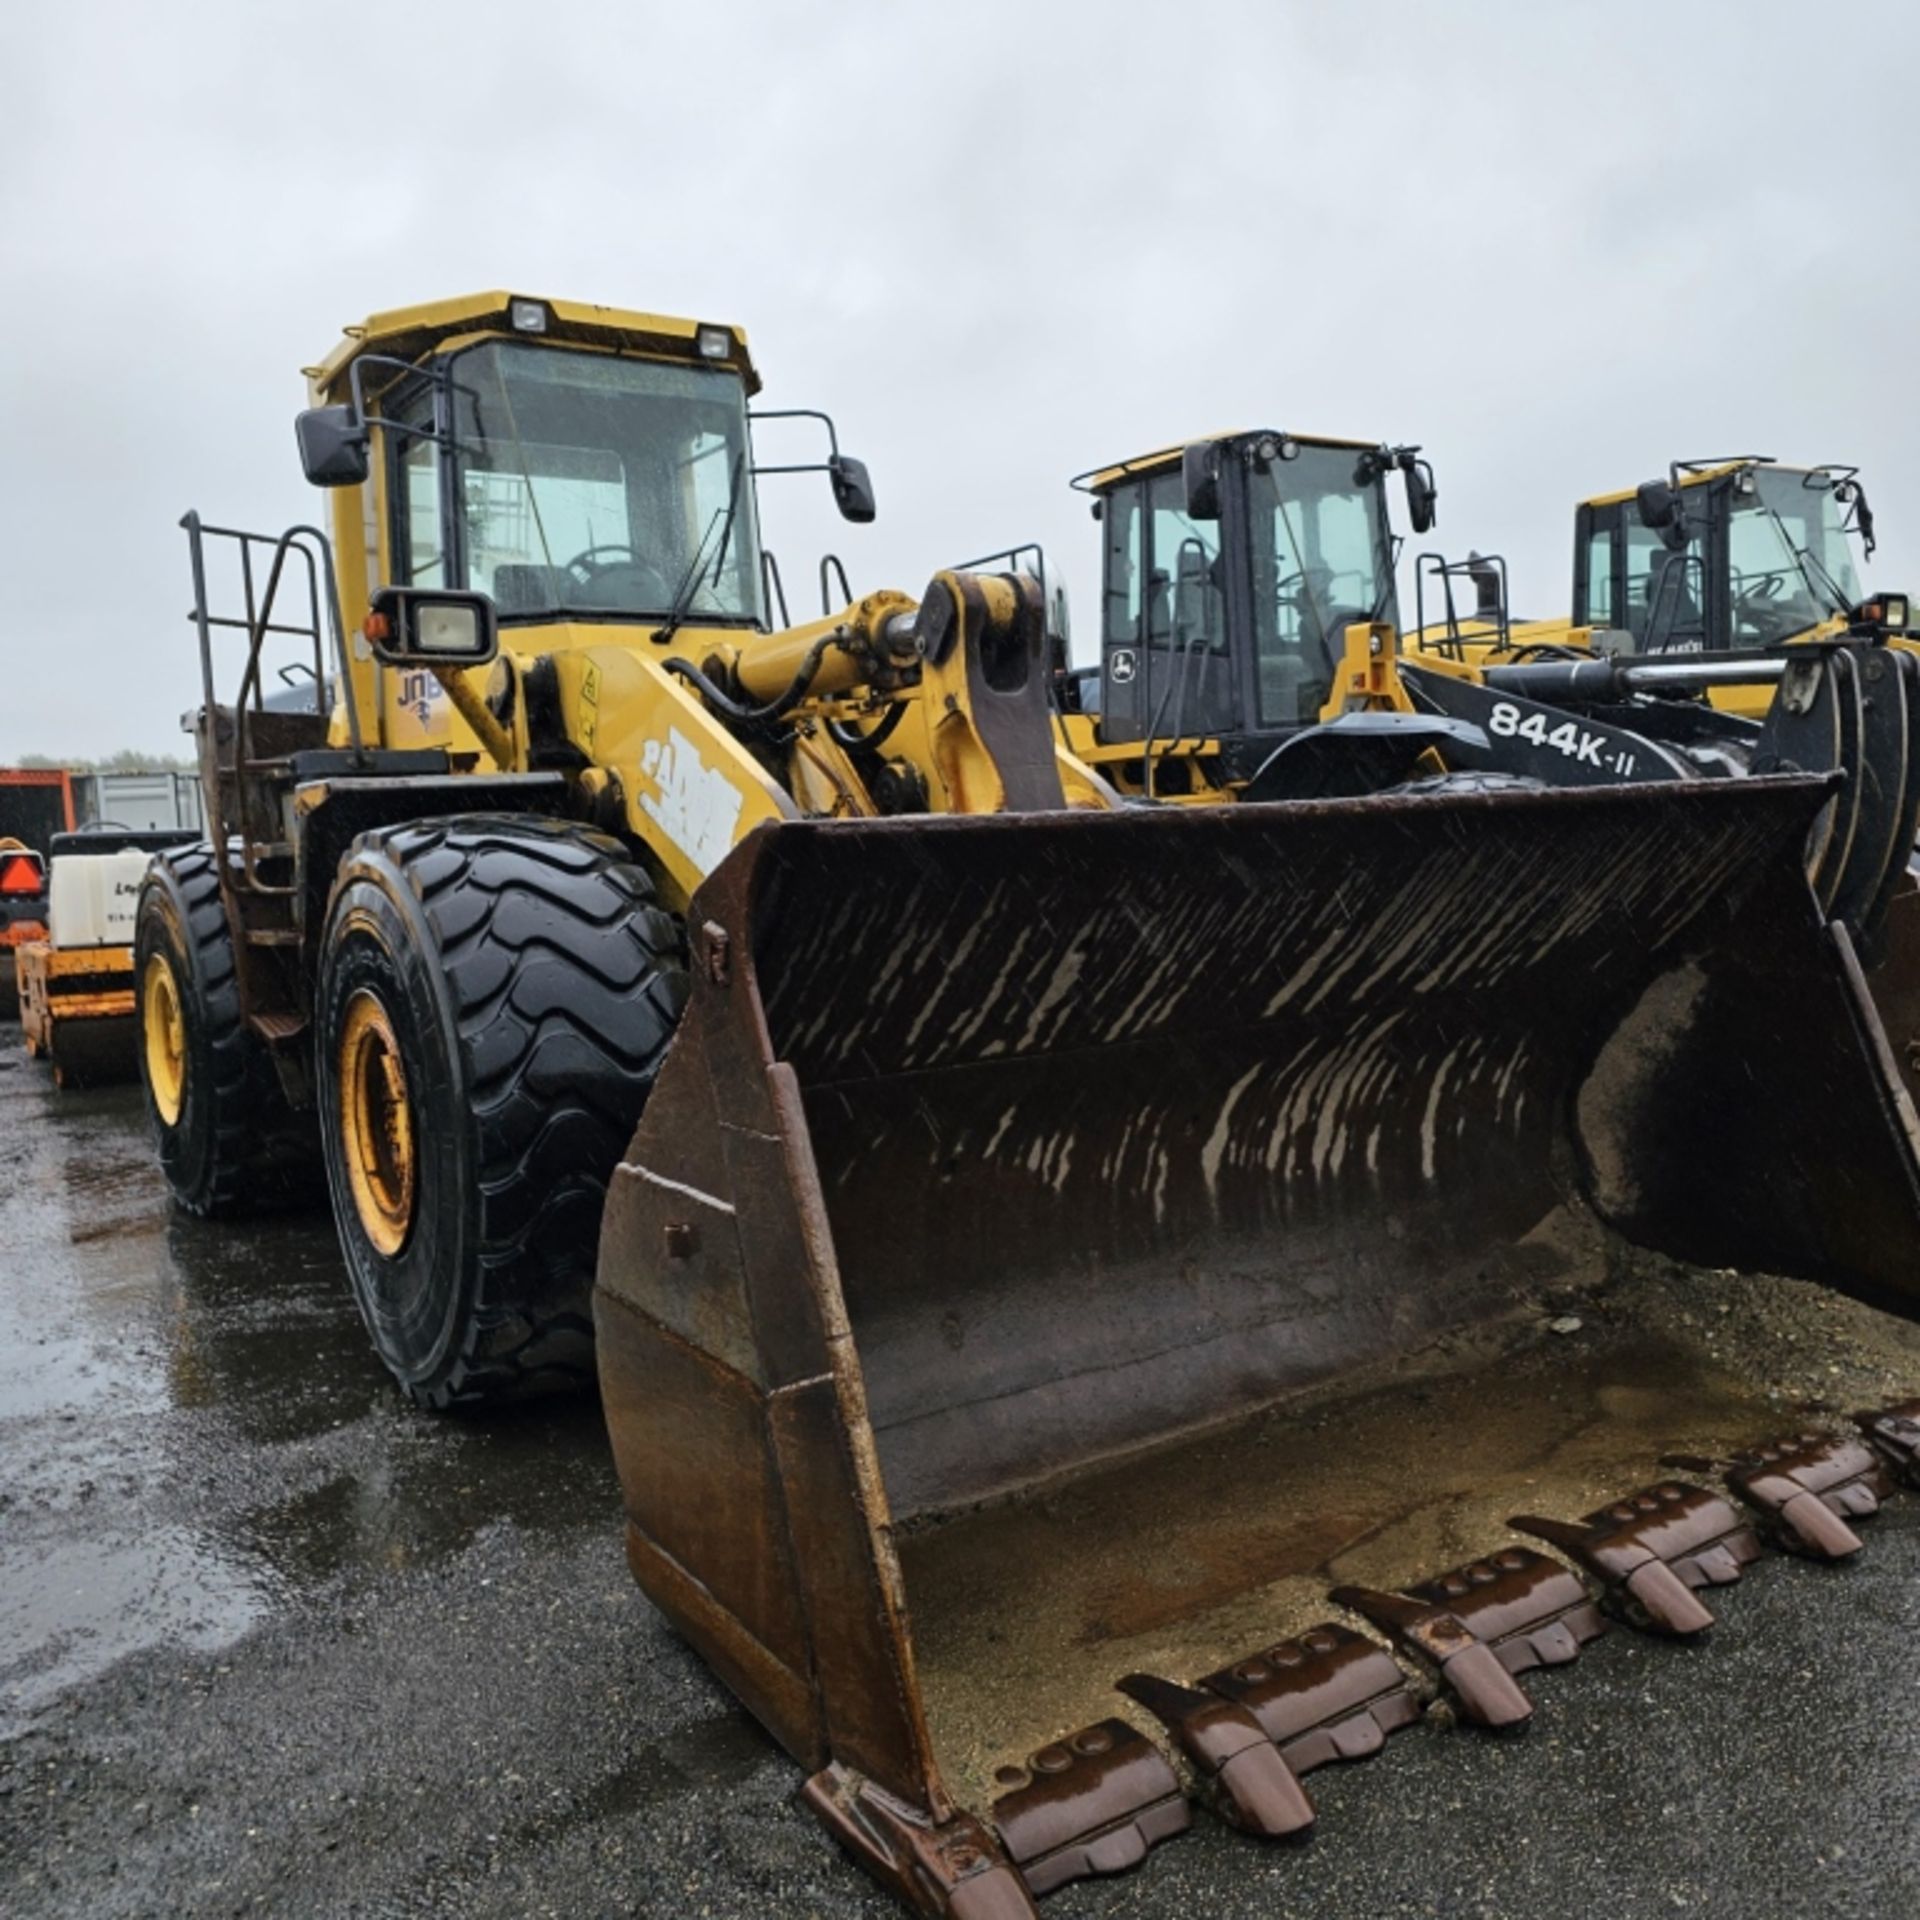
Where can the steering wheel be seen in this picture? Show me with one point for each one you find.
(634, 582)
(1769, 586)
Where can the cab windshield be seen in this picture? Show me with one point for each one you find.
(1322, 560)
(586, 484)
(1787, 556)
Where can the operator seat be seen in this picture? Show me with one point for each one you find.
(520, 588)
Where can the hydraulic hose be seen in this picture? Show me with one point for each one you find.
(855, 741)
(775, 709)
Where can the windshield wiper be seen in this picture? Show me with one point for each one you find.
(1803, 559)
(682, 601)
(733, 502)
(722, 521)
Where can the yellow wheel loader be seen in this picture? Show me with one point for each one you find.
(1036, 1244)
(1231, 568)
(435, 939)
(1721, 558)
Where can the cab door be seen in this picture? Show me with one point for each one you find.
(1166, 666)
(1599, 566)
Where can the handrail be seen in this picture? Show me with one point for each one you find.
(829, 564)
(316, 555)
(1480, 568)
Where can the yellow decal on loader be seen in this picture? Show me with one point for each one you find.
(589, 706)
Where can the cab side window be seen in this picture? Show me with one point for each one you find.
(413, 483)
(1667, 590)
(1184, 603)
(423, 563)
(1603, 541)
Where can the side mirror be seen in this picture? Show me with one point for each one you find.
(1422, 496)
(1200, 480)
(1661, 511)
(428, 627)
(333, 446)
(852, 488)
(1659, 504)
(1489, 593)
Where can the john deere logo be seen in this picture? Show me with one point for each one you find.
(1120, 669)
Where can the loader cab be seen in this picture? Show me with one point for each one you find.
(1720, 556)
(590, 470)
(1231, 569)
(570, 484)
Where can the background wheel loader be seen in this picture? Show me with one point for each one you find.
(1250, 648)
(1722, 558)
(1009, 1195)
(1234, 566)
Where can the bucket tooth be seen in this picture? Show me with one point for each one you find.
(1332, 1694)
(1484, 1623)
(1244, 1776)
(1806, 1488)
(1650, 1552)
(951, 1870)
(1095, 1802)
(1894, 1434)
(1484, 1691)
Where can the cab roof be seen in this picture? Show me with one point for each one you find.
(408, 333)
(1699, 473)
(1099, 479)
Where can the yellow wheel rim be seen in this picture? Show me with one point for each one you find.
(164, 1031)
(376, 1123)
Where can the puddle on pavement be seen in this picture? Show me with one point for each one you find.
(195, 1428)
(260, 1327)
(431, 1487)
(69, 1610)
(1181, 1560)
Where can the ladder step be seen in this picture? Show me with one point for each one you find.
(273, 937)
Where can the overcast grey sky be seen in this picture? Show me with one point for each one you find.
(1558, 245)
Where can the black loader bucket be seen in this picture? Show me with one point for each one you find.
(1008, 1174)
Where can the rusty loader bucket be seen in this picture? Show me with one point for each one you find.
(1008, 1174)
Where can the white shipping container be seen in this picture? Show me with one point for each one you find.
(143, 802)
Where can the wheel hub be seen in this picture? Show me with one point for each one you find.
(376, 1123)
(164, 1033)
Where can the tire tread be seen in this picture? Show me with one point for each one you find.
(611, 1005)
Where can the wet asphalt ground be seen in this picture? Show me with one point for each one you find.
(271, 1643)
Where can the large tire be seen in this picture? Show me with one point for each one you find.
(228, 1140)
(1472, 781)
(496, 996)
